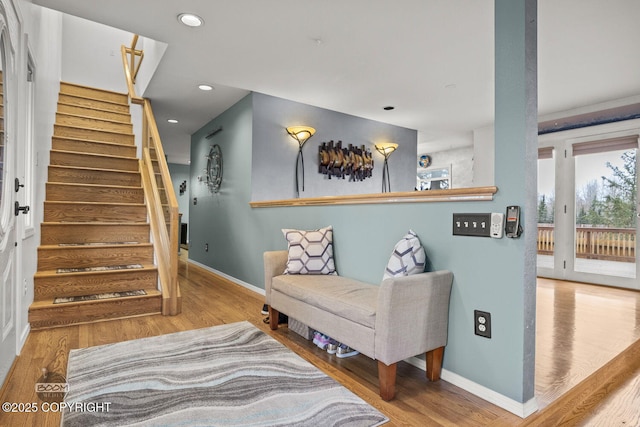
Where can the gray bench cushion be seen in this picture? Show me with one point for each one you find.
(341, 296)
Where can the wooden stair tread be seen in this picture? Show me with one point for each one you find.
(90, 108)
(54, 273)
(80, 116)
(93, 123)
(97, 130)
(90, 192)
(92, 98)
(44, 314)
(82, 223)
(56, 232)
(94, 154)
(88, 102)
(89, 212)
(86, 96)
(57, 202)
(48, 303)
(107, 143)
(81, 86)
(113, 161)
(86, 145)
(88, 89)
(96, 186)
(101, 245)
(82, 168)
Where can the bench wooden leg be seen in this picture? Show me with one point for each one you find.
(274, 315)
(387, 379)
(434, 363)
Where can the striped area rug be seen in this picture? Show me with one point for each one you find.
(229, 375)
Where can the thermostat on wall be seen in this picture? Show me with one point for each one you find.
(497, 225)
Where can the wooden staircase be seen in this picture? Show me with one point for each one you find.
(95, 233)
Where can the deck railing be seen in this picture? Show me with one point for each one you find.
(162, 204)
(610, 244)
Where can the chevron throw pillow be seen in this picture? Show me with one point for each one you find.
(310, 251)
(408, 257)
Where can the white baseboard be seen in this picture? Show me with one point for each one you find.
(23, 337)
(522, 410)
(230, 278)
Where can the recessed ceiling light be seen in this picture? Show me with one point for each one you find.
(173, 121)
(205, 87)
(190, 20)
(388, 108)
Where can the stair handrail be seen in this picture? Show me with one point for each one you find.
(134, 53)
(164, 229)
(125, 52)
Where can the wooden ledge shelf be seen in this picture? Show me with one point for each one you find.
(474, 194)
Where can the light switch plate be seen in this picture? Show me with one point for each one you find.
(472, 224)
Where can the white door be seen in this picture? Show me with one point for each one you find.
(605, 210)
(8, 236)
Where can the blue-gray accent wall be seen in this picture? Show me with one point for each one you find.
(179, 174)
(274, 151)
(492, 275)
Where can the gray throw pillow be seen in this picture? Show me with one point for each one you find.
(408, 257)
(310, 251)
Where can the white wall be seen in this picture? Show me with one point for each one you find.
(459, 151)
(153, 53)
(461, 162)
(91, 54)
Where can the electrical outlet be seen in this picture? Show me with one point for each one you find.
(482, 321)
(472, 224)
(206, 247)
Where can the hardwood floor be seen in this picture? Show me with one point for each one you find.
(209, 300)
(588, 326)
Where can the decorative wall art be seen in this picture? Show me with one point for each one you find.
(213, 172)
(424, 161)
(183, 187)
(335, 161)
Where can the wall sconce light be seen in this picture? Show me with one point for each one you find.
(386, 148)
(300, 134)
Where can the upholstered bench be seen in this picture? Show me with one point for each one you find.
(403, 317)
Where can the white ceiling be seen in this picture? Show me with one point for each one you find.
(431, 59)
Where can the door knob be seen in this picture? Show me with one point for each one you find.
(18, 209)
(18, 185)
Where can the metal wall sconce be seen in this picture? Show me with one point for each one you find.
(300, 134)
(386, 148)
